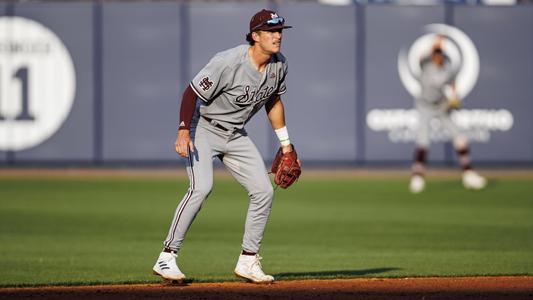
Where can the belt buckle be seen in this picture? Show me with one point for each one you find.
(217, 125)
(214, 123)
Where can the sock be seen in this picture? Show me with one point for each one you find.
(419, 163)
(168, 250)
(464, 158)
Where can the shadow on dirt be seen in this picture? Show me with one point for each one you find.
(333, 274)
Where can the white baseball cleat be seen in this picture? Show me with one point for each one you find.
(249, 268)
(417, 184)
(166, 267)
(474, 181)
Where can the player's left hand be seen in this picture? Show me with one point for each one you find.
(287, 149)
(286, 167)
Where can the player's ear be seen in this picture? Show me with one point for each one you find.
(255, 36)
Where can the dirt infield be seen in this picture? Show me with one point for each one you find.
(519, 287)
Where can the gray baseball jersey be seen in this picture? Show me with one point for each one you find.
(232, 90)
(432, 102)
(433, 79)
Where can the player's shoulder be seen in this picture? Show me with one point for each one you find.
(232, 56)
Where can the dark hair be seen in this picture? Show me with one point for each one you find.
(249, 39)
(438, 51)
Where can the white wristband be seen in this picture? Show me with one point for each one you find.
(283, 136)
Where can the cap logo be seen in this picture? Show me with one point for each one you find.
(273, 15)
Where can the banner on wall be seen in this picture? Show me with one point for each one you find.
(461, 53)
(37, 83)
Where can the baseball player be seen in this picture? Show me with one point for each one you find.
(436, 75)
(216, 105)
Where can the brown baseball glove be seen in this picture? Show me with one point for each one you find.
(286, 168)
(454, 103)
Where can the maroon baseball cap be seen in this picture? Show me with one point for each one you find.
(267, 20)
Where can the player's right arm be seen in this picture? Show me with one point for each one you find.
(208, 82)
(183, 141)
(438, 43)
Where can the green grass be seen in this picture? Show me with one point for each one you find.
(65, 231)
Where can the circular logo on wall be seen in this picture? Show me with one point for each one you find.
(458, 47)
(37, 83)
(462, 55)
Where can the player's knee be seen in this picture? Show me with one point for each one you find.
(460, 142)
(269, 192)
(203, 190)
(422, 143)
(264, 194)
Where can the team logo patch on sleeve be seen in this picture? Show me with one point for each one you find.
(205, 83)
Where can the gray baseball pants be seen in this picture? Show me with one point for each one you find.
(428, 113)
(244, 162)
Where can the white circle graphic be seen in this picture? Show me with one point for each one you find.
(460, 50)
(37, 83)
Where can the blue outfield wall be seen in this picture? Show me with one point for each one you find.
(345, 100)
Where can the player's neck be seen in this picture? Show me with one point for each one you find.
(259, 58)
(438, 64)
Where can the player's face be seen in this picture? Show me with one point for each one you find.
(437, 59)
(270, 41)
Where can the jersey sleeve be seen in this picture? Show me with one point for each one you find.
(282, 88)
(211, 80)
(450, 74)
(454, 71)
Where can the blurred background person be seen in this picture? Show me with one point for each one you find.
(436, 75)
